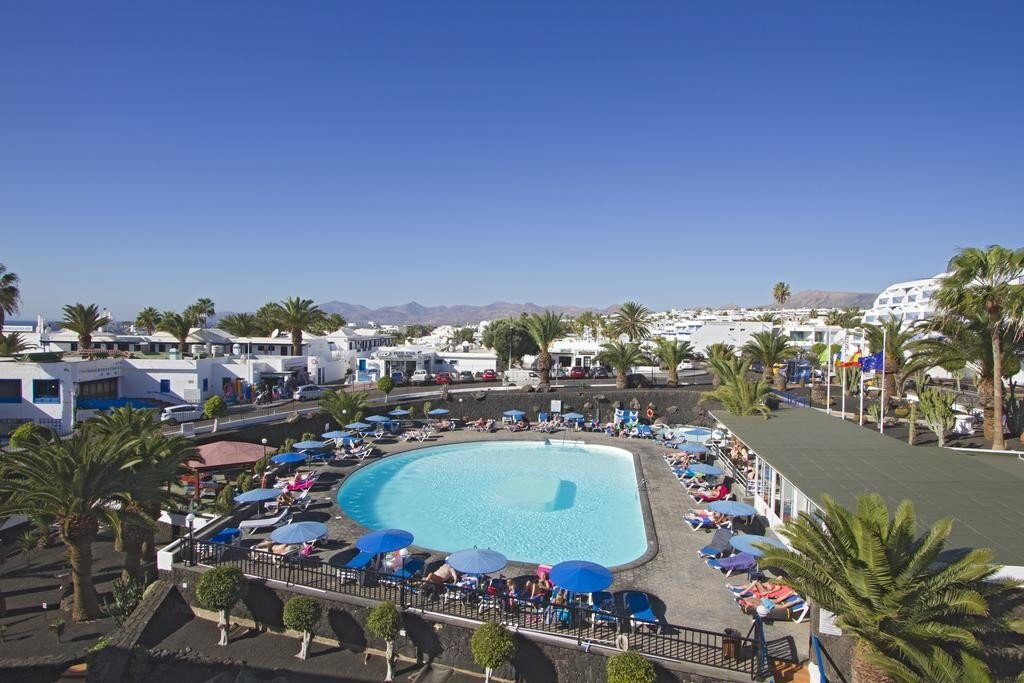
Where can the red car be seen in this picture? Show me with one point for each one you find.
(443, 378)
(578, 373)
(489, 376)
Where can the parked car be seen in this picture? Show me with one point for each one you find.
(578, 372)
(307, 392)
(559, 373)
(421, 377)
(183, 413)
(398, 378)
(443, 378)
(599, 372)
(466, 376)
(488, 376)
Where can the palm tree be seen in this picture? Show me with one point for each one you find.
(898, 340)
(200, 311)
(343, 406)
(769, 318)
(770, 349)
(295, 315)
(888, 587)
(847, 318)
(74, 482)
(725, 368)
(671, 354)
(83, 320)
(739, 395)
(780, 292)
(10, 294)
(148, 319)
(330, 323)
(621, 357)
(544, 328)
(717, 351)
(12, 344)
(633, 320)
(242, 325)
(966, 342)
(179, 326)
(987, 282)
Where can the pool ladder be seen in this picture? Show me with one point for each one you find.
(642, 485)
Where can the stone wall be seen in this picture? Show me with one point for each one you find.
(431, 638)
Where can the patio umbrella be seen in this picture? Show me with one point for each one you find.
(358, 426)
(580, 576)
(516, 414)
(398, 412)
(285, 458)
(384, 541)
(335, 435)
(693, 448)
(299, 532)
(308, 445)
(733, 508)
(439, 411)
(573, 416)
(697, 432)
(477, 561)
(706, 470)
(257, 496)
(745, 543)
(378, 418)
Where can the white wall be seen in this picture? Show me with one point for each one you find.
(27, 409)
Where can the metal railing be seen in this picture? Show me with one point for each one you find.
(791, 398)
(581, 625)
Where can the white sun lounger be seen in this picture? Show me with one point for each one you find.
(264, 522)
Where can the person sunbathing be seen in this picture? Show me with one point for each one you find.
(274, 548)
(720, 492)
(480, 424)
(285, 500)
(539, 588)
(443, 574)
(560, 599)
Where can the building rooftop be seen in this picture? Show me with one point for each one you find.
(820, 454)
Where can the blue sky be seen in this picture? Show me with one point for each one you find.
(677, 153)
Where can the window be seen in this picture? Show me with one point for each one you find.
(74, 346)
(165, 386)
(99, 388)
(10, 391)
(46, 391)
(206, 385)
(122, 346)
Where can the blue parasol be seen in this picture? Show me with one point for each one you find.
(439, 411)
(257, 496)
(284, 458)
(299, 532)
(745, 543)
(384, 541)
(477, 561)
(733, 508)
(514, 413)
(308, 445)
(573, 416)
(693, 448)
(706, 470)
(580, 576)
(378, 418)
(358, 426)
(398, 412)
(335, 435)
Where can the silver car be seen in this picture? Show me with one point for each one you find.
(307, 392)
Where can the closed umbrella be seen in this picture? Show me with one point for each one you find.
(733, 508)
(384, 541)
(745, 543)
(378, 418)
(308, 445)
(477, 561)
(285, 458)
(580, 576)
(358, 426)
(299, 532)
(439, 411)
(257, 496)
(706, 470)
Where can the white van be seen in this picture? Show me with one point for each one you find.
(182, 413)
(522, 378)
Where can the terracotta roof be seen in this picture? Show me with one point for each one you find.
(222, 454)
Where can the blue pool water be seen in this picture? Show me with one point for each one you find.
(531, 501)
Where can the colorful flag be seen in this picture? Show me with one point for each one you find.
(872, 363)
(853, 362)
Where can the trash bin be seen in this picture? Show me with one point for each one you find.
(731, 644)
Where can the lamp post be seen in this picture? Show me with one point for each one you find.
(190, 519)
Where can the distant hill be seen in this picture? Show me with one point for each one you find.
(817, 298)
(442, 315)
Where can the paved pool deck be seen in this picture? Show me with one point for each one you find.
(684, 590)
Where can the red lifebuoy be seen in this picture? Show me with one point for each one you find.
(650, 413)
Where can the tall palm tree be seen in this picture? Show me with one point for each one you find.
(769, 318)
(242, 325)
(148, 319)
(621, 357)
(83, 320)
(898, 340)
(633, 320)
(770, 349)
(201, 311)
(345, 407)
(671, 354)
(330, 323)
(12, 344)
(987, 282)
(718, 351)
(726, 368)
(889, 589)
(967, 342)
(739, 395)
(179, 326)
(781, 294)
(74, 482)
(295, 315)
(847, 318)
(10, 294)
(544, 328)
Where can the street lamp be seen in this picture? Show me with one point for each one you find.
(190, 519)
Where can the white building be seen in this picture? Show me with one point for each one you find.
(912, 300)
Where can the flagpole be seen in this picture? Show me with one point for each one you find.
(881, 407)
(844, 392)
(861, 395)
(828, 372)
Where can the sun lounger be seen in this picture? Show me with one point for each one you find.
(264, 522)
(793, 608)
(740, 562)
(718, 546)
(638, 607)
(603, 605)
(409, 570)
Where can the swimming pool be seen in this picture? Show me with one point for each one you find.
(531, 501)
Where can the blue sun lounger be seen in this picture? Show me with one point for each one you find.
(603, 605)
(412, 567)
(740, 562)
(718, 546)
(638, 606)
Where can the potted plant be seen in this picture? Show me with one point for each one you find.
(384, 622)
(219, 589)
(492, 646)
(302, 614)
(629, 667)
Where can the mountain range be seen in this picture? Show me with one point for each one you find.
(817, 298)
